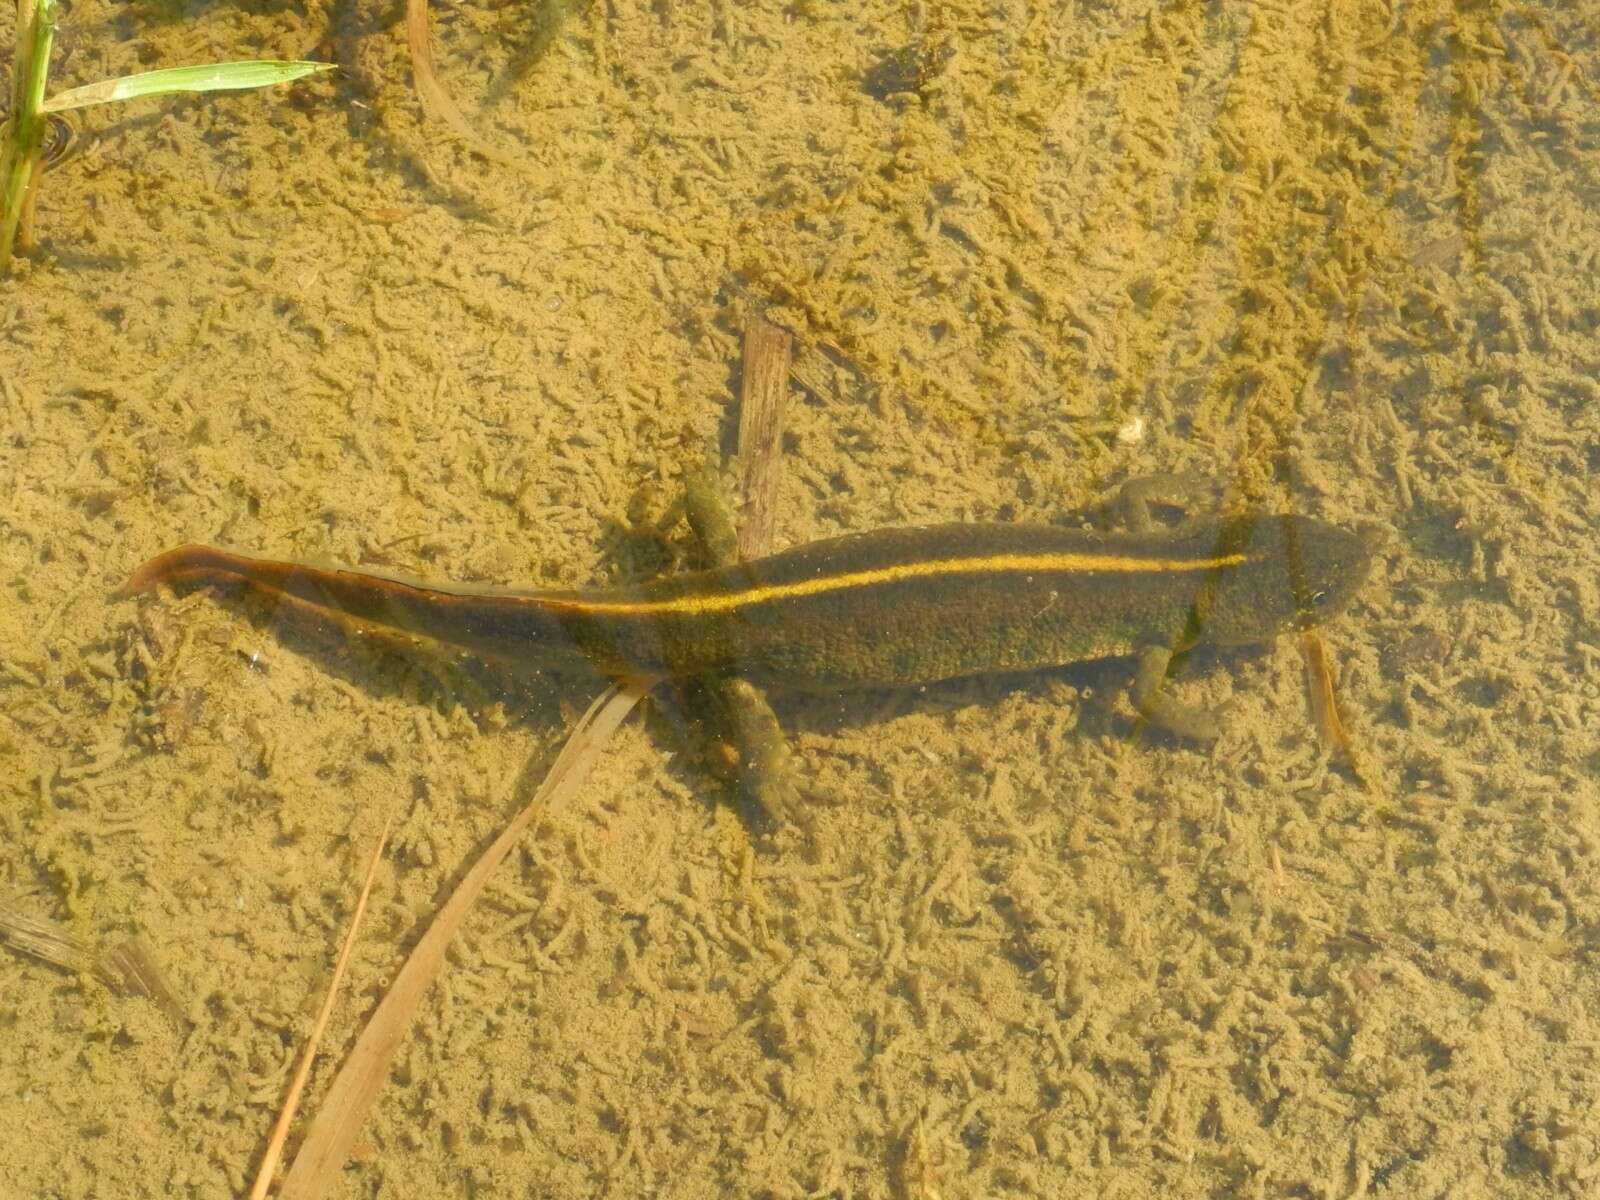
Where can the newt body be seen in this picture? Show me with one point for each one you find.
(898, 606)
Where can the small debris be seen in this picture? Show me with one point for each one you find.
(127, 969)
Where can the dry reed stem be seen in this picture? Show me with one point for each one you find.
(333, 1130)
(291, 1101)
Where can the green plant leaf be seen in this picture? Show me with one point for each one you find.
(214, 77)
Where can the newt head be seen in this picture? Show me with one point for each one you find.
(1293, 572)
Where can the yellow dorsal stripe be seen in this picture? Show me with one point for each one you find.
(721, 602)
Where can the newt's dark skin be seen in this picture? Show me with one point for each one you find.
(896, 606)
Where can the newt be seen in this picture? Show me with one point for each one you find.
(885, 608)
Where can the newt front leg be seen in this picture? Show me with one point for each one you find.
(1152, 701)
(762, 765)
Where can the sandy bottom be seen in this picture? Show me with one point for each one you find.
(1338, 256)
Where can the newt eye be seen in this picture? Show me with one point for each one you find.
(1318, 599)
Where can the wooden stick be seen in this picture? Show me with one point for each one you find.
(762, 397)
(740, 710)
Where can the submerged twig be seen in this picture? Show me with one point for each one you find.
(1324, 702)
(333, 1130)
(436, 102)
(764, 775)
(1319, 691)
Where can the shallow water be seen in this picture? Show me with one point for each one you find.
(1336, 258)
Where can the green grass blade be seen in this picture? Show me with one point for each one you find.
(213, 77)
(22, 136)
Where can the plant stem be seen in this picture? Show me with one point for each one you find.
(24, 133)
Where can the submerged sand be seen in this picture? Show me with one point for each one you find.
(1339, 256)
